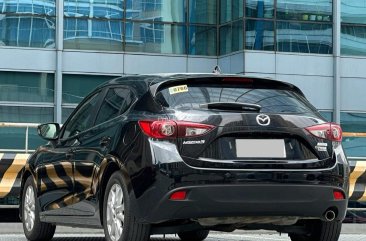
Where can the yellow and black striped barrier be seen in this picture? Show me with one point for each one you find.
(11, 165)
(357, 189)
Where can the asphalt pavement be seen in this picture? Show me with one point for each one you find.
(11, 230)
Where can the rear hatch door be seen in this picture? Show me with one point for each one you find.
(256, 123)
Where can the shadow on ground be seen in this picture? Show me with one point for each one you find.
(9, 215)
(102, 239)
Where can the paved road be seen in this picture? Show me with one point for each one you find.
(212, 237)
(14, 232)
(11, 230)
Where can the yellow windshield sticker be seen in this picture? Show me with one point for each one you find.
(178, 89)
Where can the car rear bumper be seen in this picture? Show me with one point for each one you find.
(258, 200)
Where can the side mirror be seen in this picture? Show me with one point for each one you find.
(49, 131)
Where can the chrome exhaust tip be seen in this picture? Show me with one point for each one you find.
(330, 215)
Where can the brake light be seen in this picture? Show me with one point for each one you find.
(161, 129)
(238, 79)
(328, 131)
(338, 195)
(178, 196)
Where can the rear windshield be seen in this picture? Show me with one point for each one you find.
(192, 96)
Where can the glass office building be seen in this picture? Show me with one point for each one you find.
(52, 53)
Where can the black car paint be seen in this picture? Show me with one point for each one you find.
(153, 169)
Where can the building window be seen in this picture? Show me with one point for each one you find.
(94, 25)
(155, 38)
(259, 9)
(24, 98)
(280, 25)
(310, 10)
(202, 40)
(27, 23)
(93, 34)
(231, 37)
(259, 35)
(164, 10)
(304, 37)
(203, 11)
(353, 11)
(328, 115)
(19, 87)
(75, 87)
(105, 9)
(231, 10)
(354, 134)
(353, 33)
(353, 39)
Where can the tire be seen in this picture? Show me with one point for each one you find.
(38, 231)
(198, 235)
(128, 229)
(320, 231)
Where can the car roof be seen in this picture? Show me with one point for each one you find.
(145, 81)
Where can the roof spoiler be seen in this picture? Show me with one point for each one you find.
(224, 78)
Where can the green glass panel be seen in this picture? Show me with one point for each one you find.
(93, 34)
(259, 35)
(66, 112)
(161, 10)
(26, 87)
(353, 11)
(107, 9)
(302, 37)
(305, 10)
(259, 8)
(203, 11)
(327, 115)
(20, 114)
(76, 87)
(356, 123)
(202, 40)
(14, 138)
(27, 31)
(231, 10)
(353, 40)
(155, 38)
(231, 37)
(27, 7)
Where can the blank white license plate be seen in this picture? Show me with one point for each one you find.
(260, 148)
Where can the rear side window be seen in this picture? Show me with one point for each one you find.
(271, 100)
(82, 119)
(117, 101)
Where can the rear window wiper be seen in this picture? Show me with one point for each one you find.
(231, 106)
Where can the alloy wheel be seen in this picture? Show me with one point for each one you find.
(115, 212)
(29, 208)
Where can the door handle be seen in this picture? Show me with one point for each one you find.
(105, 141)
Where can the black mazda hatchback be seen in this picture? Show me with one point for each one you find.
(185, 154)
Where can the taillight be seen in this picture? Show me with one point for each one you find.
(328, 131)
(178, 196)
(338, 195)
(173, 129)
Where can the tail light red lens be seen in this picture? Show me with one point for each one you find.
(178, 196)
(338, 195)
(328, 131)
(161, 129)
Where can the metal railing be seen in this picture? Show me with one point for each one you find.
(19, 125)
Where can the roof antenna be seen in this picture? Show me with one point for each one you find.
(217, 70)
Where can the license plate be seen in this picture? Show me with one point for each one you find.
(260, 148)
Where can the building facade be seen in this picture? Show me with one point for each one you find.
(52, 53)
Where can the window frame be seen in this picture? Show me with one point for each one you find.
(99, 94)
(134, 99)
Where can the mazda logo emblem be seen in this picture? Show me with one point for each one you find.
(263, 120)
